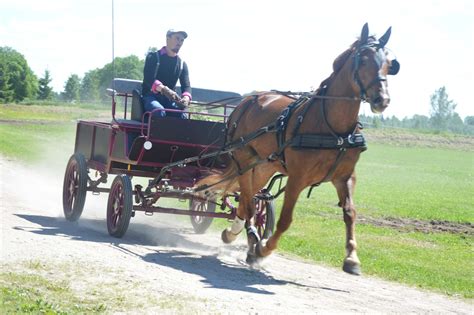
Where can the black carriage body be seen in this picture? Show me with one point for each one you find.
(118, 147)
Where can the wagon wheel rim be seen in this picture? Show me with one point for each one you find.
(260, 216)
(201, 207)
(73, 186)
(116, 210)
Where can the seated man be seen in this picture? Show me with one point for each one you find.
(160, 75)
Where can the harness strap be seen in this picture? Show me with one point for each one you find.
(326, 142)
(282, 123)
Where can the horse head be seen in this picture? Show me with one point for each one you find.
(371, 63)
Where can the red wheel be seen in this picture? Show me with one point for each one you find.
(75, 187)
(119, 206)
(264, 217)
(201, 223)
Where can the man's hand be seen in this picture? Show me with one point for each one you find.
(170, 94)
(185, 101)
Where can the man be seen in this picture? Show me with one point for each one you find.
(160, 75)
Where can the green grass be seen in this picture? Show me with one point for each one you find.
(421, 183)
(22, 293)
(28, 142)
(26, 132)
(438, 262)
(409, 182)
(65, 114)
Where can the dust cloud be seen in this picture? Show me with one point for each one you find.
(37, 187)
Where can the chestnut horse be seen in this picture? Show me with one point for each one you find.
(312, 140)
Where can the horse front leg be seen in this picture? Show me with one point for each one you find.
(265, 247)
(345, 190)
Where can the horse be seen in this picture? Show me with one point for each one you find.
(311, 140)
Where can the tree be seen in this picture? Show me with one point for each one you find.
(469, 120)
(127, 68)
(45, 92)
(442, 108)
(90, 86)
(72, 87)
(6, 91)
(17, 80)
(420, 122)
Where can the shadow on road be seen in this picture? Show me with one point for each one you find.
(215, 272)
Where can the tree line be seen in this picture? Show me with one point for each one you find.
(443, 117)
(18, 83)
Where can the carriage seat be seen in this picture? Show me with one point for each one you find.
(133, 88)
(137, 106)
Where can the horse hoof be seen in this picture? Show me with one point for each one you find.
(259, 250)
(352, 268)
(252, 236)
(225, 237)
(253, 260)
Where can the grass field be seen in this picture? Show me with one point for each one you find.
(404, 174)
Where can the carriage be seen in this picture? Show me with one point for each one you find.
(154, 158)
(310, 139)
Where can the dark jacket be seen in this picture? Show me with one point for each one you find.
(160, 66)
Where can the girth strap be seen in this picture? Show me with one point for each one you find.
(321, 142)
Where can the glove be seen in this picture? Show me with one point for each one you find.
(170, 94)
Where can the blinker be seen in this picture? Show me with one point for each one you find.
(394, 67)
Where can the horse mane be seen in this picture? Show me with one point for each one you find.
(340, 61)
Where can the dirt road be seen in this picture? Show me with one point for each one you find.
(161, 267)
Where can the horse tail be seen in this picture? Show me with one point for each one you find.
(221, 183)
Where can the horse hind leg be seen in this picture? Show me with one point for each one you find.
(231, 233)
(250, 183)
(345, 189)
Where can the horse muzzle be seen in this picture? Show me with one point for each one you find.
(379, 103)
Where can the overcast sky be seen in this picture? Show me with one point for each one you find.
(245, 45)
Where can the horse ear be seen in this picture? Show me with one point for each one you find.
(385, 37)
(364, 35)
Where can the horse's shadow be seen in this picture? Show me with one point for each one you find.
(215, 272)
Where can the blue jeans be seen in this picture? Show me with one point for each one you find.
(152, 102)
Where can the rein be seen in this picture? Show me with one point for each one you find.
(333, 141)
(309, 141)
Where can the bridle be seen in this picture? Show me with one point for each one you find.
(356, 65)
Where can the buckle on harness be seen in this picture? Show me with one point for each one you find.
(350, 139)
(340, 141)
